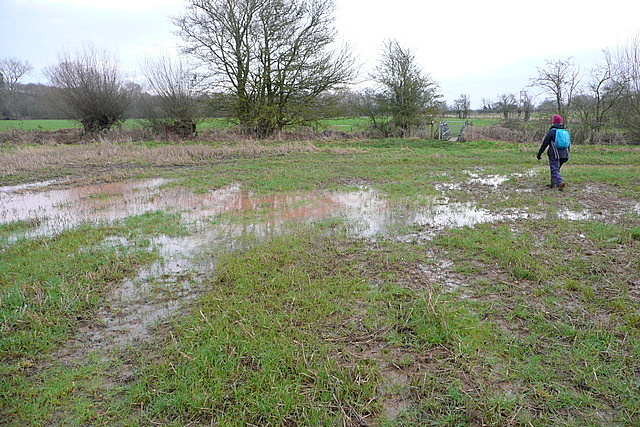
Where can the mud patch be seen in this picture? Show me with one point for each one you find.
(397, 368)
(441, 274)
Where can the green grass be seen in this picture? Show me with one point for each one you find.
(530, 320)
(57, 124)
(51, 285)
(269, 343)
(253, 354)
(481, 121)
(38, 125)
(347, 124)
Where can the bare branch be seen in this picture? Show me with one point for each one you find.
(559, 78)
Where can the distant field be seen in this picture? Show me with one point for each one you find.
(37, 125)
(52, 125)
(346, 124)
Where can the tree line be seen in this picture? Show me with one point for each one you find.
(596, 102)
(272, 64)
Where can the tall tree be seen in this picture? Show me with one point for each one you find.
(407, 94)
(273, 56)
(560, 79)
(598, 99)
(90, 88)
(11, 71)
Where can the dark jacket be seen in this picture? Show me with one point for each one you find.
(554, 153)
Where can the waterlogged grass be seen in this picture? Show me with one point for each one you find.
(9, 229)
(402, 168)
(48, 287)
(155, 223)
(253, 352)
(303, 329)
(525, 320)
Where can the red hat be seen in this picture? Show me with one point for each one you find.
(556, 119)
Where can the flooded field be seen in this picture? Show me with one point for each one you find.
(220, 221)
(317, 283)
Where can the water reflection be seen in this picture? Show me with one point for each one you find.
(221, 220)
(56, 210)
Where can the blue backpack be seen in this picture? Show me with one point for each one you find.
(563, 139)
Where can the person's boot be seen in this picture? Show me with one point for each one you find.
(561, 186)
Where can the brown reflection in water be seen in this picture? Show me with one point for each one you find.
(59, 209)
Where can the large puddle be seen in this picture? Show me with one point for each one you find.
(220, 220)
(366, 209)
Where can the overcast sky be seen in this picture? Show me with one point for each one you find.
(482, 48)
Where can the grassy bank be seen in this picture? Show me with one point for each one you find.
(530, 318)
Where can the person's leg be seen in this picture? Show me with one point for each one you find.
(560, 163)
(554, 167)
(552, 184)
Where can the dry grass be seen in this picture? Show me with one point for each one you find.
(26, 159)
(69, 150)
(518, 133)
(500, 133)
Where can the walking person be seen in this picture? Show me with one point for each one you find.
(557, 156)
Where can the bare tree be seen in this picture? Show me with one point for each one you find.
(462, 106)
(407, 94)
(11, 71)
(560, 79)
(175, 86)
(627, 79)
(602, 93)
(90, 88)
(273, 56)
(506, 104)
(487, 104)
